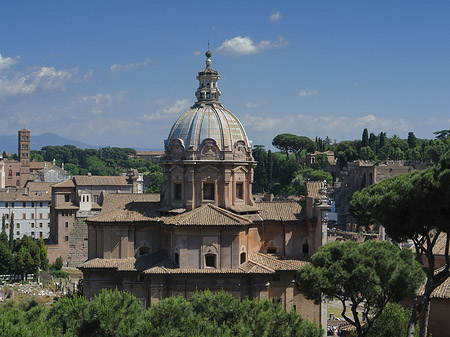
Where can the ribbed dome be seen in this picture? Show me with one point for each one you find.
(204, 121)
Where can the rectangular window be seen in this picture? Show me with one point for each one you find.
(40, 235)
(17, 233)
(24, 216)
(67, 198)
(6, 216)
(24, 204)
(32, 233)
(208, 191)
(12, 205)
(6, 204)
(40, 224)
(41, 215)
(32, 204)
(66, 238)
(239, 191)
(17, 225)
(32, 225)
(40, 204)
(32, 215)
(67, 224)
(177, 191)
(210, 260)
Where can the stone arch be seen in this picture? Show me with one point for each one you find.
(209, 150)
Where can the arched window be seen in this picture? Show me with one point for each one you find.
(177, 259)
(207, 85)
(243, 257)
(271, 250)
(17, 182)
(10, 173)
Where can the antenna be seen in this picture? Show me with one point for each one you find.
(208, 44)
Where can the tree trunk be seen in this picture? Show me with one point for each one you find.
(424, 319)
(413, 319)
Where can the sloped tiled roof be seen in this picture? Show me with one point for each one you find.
(65, 183)
(443, 291)
(313, 189)
(21, 197)
(274, 262)
(128, 207)
(39, 186)
(279, 210)
(207, 215)
(100, 180)
(66, 205)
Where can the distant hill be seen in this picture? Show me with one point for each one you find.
(9, 143)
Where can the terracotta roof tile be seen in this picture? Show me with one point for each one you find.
(100, 180)
(313, 189)
(66, 205)
(443, 291)
(274, 262)
(279, 210)
(65, 183)
(39, 186)
(207, 215)
(21, 197)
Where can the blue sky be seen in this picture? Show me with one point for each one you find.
(119, 73)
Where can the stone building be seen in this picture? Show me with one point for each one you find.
(31, 211)
(205, 231)
(74, 200)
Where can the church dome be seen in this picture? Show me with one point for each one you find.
(207, 120)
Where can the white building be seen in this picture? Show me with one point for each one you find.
(31, 213)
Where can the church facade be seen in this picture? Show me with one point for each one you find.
(205, 231)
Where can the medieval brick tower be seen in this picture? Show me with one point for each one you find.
(24, 155)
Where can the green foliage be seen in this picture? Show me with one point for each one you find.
(58, 263)
(155, 182)
(392, 322)
(290, 143)
(116, 313)
(104, 161)
(412, 206)
(371, 274)
(59, 274)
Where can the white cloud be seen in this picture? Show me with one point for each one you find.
(275, 17)
(305, 93)
(6, 62)
(338, 125)
(116, 68)
(36, 79)
(259, 123)
(197, 53)
(253, 105)
(179, 106)
(98, 103)
(245, 45)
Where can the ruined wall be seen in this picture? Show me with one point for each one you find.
(78, 243)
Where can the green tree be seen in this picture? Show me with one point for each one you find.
(412, 206)
(11, 233)
(370, 275)
(155, 182)
(365, 138)
(367, 153)
(290, 143)
(443, 134)
(412, 140)
(392, 322)
(72, 169)
(6, 258)
(58, 263)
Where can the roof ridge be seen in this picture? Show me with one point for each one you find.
(229, 214)
(260, 265)
(275, 259)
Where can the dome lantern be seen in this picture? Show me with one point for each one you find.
(207, 82)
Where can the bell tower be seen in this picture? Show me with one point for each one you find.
(24, 155)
